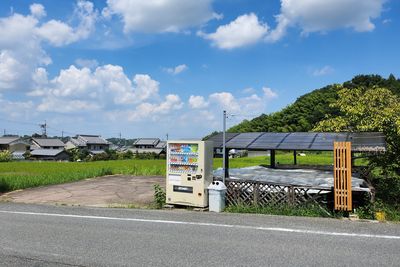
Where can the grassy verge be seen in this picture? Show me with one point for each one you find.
(287, 210)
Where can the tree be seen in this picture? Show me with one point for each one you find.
(369, 109)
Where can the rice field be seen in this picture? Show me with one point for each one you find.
(20, 175)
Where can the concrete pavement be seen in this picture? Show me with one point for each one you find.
(113, 190)
(77, 236)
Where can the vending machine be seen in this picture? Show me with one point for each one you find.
(189, 172)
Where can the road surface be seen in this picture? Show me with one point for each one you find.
(35, 235)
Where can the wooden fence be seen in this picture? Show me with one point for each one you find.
(249, 192)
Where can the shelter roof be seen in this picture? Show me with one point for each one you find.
(318, 141)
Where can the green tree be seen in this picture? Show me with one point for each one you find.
(372, 109)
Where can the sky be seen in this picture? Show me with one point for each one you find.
(150, 68)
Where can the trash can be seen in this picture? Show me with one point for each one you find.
(216, 196)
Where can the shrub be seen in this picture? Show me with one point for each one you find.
(5, 156)
(159, 196)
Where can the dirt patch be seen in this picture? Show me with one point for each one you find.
(106, 191)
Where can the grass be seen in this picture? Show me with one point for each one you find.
(20, 175)
(286, 210)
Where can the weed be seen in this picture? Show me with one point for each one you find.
(308, 210)
(159, 196)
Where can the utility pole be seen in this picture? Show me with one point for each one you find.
(167, 136)
(120, 139)
(223, 147)
(4, 134)
(44, 129)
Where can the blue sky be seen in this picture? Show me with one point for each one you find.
(148, 68)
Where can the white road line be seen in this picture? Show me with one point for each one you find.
(274, 229)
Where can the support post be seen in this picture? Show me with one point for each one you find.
(294, 157)
(224, 170)
(226, 164)
(272, 163)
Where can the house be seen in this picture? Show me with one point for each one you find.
(13, 144)
(95, 144)
(149, 145)
(46, 143)
(50, 154)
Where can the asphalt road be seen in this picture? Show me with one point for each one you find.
(33, 235)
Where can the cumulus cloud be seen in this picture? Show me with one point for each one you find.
(147, 110)
(21, 51)
(269, 93)
(37, 10)
(176, 70)
(325, 70)
(87, 63)
(59, 33)
(197, 102)
(243, 31)
(321, 16)
(160, 16)
(105, 83)
(210, 108)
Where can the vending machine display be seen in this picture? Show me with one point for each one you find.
(189, 172)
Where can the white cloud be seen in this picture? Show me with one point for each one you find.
(197, 102)
(243, 31)
(37, 10)
(269, 93)
(160, 16)
(176, 70)
(225, 100)
(322, 16)
(325, 70)
(51, 104)
(86, 63)
(155, 110)
(16, 109)
(145, 87)
(22, 37)
(59, 33)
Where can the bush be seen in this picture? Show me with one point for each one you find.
(159, 196)
(5, 156)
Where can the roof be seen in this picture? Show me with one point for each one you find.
(7, 140)
(146, 150)
(146, 141)
(161, 144)
(361, 142)
(77, 142)
(92, 139)
(48, 142)
(46, 152)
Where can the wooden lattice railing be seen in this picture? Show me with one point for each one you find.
(249, 192)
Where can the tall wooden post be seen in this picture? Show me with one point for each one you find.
(342, 176)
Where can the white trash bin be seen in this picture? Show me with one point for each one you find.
(216, 196)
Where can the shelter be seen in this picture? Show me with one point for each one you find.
(371, 142)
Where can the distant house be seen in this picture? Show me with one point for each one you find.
(48, 149)
(46, 143)
(15, 145)
(149, 145)
(95, 144)
(49, 154)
